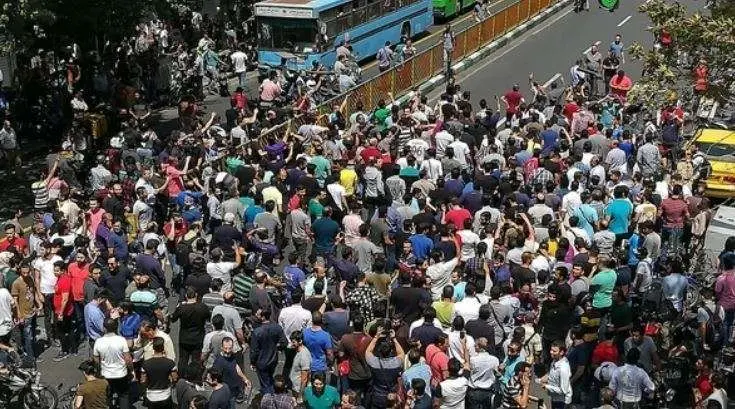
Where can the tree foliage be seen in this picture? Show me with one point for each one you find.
(703, 34)
(50, 24)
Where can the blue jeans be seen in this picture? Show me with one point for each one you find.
(28, 335)
(672, 239)
(728, 324)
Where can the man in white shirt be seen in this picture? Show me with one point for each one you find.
(240, 62)
(443, 138)
(482, 375)
(439, 272)
(558, 381)
(469, 307)
(461, 152)
(112, 353)
(7, 304)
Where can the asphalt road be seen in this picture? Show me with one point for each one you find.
(546, 50)
(553, 47)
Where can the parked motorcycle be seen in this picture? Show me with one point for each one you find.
(25, 386)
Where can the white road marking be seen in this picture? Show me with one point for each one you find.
(625, 20)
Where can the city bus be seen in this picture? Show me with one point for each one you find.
(446, 9)
(299, 32)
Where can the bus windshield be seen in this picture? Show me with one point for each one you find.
(288, 34)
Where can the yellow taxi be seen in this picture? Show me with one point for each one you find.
(718, 146)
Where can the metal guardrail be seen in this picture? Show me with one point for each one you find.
(426, 64)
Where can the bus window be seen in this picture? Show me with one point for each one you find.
(295, 35)
(373, 9)
(359, 13)
(387, 6)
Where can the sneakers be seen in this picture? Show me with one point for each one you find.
(61, 356)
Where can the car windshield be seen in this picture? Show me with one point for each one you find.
(719, 150)
(288, 34)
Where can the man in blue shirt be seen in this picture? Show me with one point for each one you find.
(319, 344)
(619, 210)
(421, 244)
(94, 318)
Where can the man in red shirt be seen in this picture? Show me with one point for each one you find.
(13, 239)
(570, 108)
(674, 211)
(457, 214)
(175, 184)
(79, 272)
(371, 152)
(703, 383)
(64, 310)
(438, 360)
(512, 99)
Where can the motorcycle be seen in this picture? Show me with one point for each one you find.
(25, 385)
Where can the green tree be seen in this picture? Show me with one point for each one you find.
(29, 24)
(668, 70)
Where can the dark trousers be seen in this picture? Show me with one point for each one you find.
(362, 388)
(49, 317)
(121, 388)
(265, 377)
(79, 319)
(69, 343)
(558, 405)
(189, 352)
(289, 354)
(479, 399)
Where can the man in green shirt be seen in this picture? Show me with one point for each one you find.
(316, 208)
(319, 395)
(603, 284)
(322, 164)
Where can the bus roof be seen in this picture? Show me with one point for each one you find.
(310, 4)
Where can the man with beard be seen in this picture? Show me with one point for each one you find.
(232, 374)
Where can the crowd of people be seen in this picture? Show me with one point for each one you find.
(410, 255)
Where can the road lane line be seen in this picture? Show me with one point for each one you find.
(625, 20)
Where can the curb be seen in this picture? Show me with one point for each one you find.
(434, 82)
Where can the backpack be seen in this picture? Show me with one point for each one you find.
(714, 328)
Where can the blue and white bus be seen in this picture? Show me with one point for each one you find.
(304, 31)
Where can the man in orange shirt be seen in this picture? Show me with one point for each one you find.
(620, 84)
(78, 272)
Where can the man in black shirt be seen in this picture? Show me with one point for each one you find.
(407, 300)
(481, 328)
(115, 279)
(610, 66)
(194, 316)
(267, 339)
(427, 333)
(157, 374)
(221, 395)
